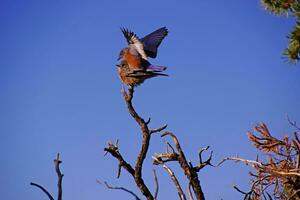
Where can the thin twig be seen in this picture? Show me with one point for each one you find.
(118, 188)
(173, 177)
(240, 191)
(189, 171)
(246, 194)
(255, 164)
(114, 151)
(297, 147)
(166, 157)
(293, 123)
(158, 129)
(205, 163)
(148, 121)
(190, 192)
(169, 145)
(57, 162)
(43, 189)
(156, 184)
(294, 194)
(251, 163)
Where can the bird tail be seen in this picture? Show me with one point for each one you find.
(145, 74)
(155, 68)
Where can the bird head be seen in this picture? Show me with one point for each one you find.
(123, 63)
(121, 54)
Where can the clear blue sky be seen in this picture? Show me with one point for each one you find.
(59, 91)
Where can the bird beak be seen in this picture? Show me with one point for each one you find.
(118, 65)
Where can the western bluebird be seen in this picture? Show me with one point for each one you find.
(133, 78)
(134, 58)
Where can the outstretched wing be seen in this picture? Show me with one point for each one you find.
(130, 36)
(134, 41)
(153, 40)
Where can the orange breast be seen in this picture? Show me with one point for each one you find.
(133, 61)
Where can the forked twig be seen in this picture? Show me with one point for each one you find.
(173, 177)
(57, 162)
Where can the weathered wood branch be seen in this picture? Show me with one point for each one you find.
(173, 177)
(113, 149)
(159, 129)
(156, 184)
(190, 171)
(260, 166)
(57, 162)
(136, 171)
(145, 144)
(202, 163)
(190, 192)
(277, 175)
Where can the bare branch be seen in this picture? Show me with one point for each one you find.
(57, 162)
(240, 191)
(137, 171)
(169, 145)
(294, 194)
(156, 184)
(118, 188)
(250, 163)
(148, 121)
(114, 151)
(296, 143)
(205, 163)
(189, 171)
(189, 192)
(293, 123)
(255, 164)
(166, 157)
(43, 189)
(159, 129)
(173, 177)
(246, 194)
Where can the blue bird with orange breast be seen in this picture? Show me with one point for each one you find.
(134, 66)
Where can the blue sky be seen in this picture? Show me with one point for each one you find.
(60, 91)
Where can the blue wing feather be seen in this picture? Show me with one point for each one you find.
(152, 41)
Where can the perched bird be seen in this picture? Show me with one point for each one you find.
(134, 58)
(134, 78)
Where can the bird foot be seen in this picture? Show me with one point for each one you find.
(127, 94)
(123, 91)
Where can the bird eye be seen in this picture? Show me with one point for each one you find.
(121, 65)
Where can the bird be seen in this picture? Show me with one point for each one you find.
(133, 78)
(134, 58)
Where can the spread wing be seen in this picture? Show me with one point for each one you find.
(134, 41)
(153, 40)
(130, 36)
